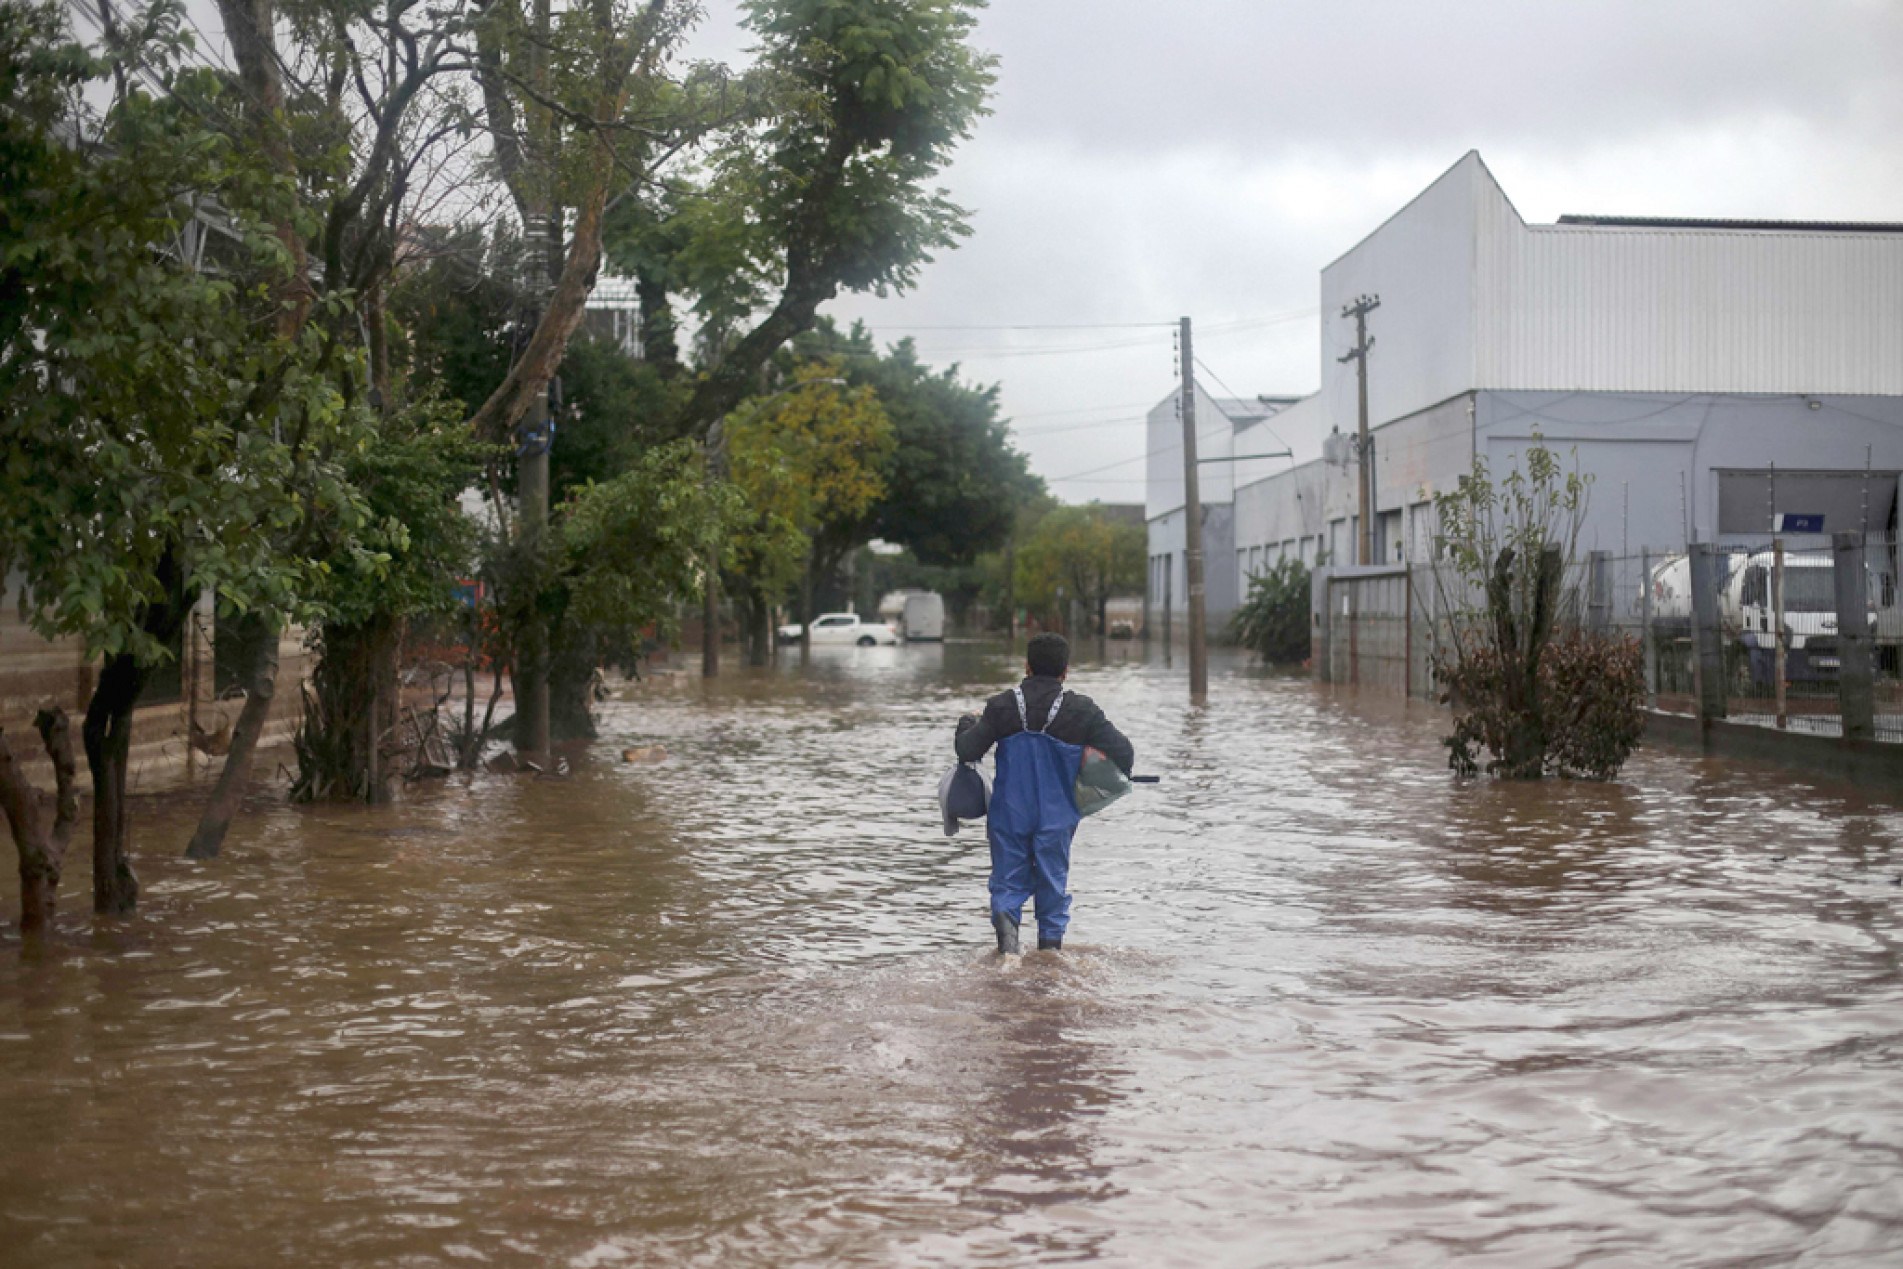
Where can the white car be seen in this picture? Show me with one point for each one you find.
(842, 628)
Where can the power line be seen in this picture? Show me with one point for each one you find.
(1227, 324)
(1036, 326)
(1239, 397)
(1139, 458)
(1082, 409)
(1078, 427)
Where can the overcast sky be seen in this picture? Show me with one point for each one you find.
(1206, 158)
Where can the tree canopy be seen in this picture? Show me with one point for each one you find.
(1079, 553)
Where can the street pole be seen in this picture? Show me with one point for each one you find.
(536, 435)
(531, 685)
(1359, 310)
(1193, 530)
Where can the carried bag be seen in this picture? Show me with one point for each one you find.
(1099, 782)
(963, 794)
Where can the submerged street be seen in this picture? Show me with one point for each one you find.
(1319, 1004)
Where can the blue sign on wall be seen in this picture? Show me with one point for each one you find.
(1798, 524)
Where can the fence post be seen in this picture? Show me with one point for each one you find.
(1707, 632)
(1354, 632)
(1407, 632)
(1854, 690)
(1598, 591)
(1645, 628)
(1320, 652)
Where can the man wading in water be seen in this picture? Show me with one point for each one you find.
(1040, 730)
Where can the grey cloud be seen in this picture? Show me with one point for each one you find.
(1367, 77)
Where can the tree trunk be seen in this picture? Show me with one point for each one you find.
(658, 345)
(41, 842)
(561, 314)
(250, 27)
(349, 710)
(377, 322)
(806, 611)
(260, 688)
(1520, 642)
(759, 629)
(571, 684)
(108, 739)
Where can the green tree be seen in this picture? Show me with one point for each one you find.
(953, 481)
(834, 188)
(803, 458)
(1082, 554)
(125, 502)
(414, 546)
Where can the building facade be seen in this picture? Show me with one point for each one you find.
(1707, 376)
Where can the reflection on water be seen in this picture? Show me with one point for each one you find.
(1320, 1005)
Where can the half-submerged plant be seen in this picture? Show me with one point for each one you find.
(1273, 621)
(1533, 693)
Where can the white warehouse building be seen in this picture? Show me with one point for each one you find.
(1708, 375)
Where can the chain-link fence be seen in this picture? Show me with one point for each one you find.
(1764, 631)
(1767, 631)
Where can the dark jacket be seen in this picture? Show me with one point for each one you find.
(1079, 722)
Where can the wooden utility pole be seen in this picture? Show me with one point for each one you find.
(1193, 530)
(534, 436)
(1364, 448)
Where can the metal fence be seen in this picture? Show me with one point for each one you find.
(1800, 635)
(1803, 634)
(1378, 642)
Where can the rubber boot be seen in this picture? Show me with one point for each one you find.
(1049, 945)
(1007, 932)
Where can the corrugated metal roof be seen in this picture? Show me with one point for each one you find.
(1754, 226)
(1664, 310)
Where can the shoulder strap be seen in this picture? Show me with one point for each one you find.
(1024, 716)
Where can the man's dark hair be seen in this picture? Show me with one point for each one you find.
(1048, 654)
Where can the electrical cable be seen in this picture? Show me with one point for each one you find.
(1162, 449)
(1077, 427)
(1234, 395)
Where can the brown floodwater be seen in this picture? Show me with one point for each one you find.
(1320, 1004)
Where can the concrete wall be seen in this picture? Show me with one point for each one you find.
(38, 673)
(1168, 571)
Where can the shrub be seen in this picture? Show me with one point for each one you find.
(1585, 718)
(1273, 621)
(1537, 694)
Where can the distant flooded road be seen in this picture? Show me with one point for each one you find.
(1320, 1005)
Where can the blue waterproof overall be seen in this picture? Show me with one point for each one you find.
(1032, 819)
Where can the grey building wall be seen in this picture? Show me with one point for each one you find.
(1666, 467)
(1168, 573)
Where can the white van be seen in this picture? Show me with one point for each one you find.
(924, 616)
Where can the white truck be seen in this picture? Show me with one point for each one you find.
(842, 628)
(923, 617)
(1747, 615)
